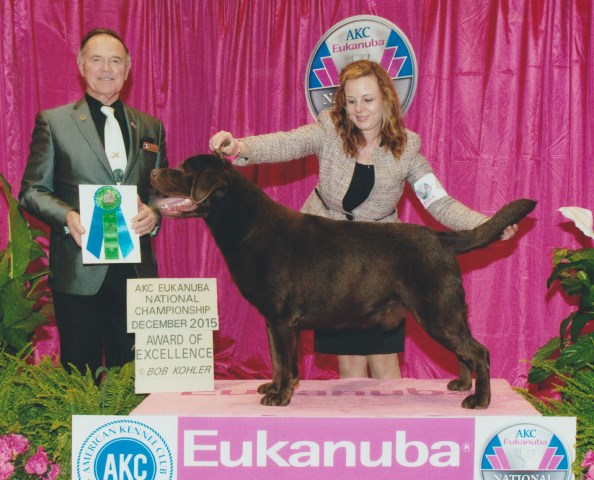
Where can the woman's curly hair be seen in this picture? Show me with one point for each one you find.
(393, 134)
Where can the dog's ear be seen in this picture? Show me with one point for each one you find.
(206, 183)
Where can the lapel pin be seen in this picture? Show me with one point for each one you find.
(83, 117)
(133, 124)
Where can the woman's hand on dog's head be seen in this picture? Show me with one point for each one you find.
(223, 142)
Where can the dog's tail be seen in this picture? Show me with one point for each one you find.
(490, 231)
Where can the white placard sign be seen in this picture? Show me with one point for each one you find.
(106, 213)
(173, 320)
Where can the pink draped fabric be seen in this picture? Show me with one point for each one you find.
(502, 106)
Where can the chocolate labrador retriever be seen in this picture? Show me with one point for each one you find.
(306, 272)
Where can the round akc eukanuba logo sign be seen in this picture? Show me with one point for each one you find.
(526, 451)
(363, 37)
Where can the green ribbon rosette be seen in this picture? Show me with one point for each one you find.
(108, 226)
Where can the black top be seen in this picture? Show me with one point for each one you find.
(360, 187)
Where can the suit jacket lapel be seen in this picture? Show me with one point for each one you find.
(81, 115)
(133, 129)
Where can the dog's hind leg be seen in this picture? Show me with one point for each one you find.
(472, 356)
(285, 370)
(464, 382)
(475, 357)
(451, 330)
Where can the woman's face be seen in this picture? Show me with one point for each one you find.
(364, 104)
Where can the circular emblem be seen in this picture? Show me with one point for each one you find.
(423, 191)
(124, 449)
(108, 198)
(363, 37)
(526, 451)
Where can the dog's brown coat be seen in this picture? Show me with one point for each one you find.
(304, 272)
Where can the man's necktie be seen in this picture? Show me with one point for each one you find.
(114, 145)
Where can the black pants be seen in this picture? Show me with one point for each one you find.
(93, 328)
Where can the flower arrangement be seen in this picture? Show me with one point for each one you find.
(13, 455)
(566, 362)
(588, 465)
(38, 401)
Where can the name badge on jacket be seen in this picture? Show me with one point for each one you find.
(150, 145)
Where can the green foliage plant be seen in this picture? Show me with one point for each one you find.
(576, 399)
(573, 349)
(25, 300)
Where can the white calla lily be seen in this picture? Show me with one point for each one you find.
(581, 217)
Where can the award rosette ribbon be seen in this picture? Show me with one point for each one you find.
(108, 226)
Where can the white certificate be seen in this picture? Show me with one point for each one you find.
(105, 213)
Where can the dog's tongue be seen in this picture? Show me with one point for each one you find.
(173, 205)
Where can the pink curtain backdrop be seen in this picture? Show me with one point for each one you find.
(502, 106)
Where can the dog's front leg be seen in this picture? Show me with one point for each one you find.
(271, 387)
(285, 372)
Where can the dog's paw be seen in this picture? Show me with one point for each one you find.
(268, 388)
(276, 400)
(475, 402)
(459, 385)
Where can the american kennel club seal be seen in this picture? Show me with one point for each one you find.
(124, 450)
(526, 451)
(362, 37)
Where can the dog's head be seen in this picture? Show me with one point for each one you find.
(189, 189)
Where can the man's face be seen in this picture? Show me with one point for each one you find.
(105, 67)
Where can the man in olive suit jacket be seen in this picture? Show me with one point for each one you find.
(68, 150)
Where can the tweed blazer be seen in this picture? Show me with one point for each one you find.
(66, 151)
(336, 171)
